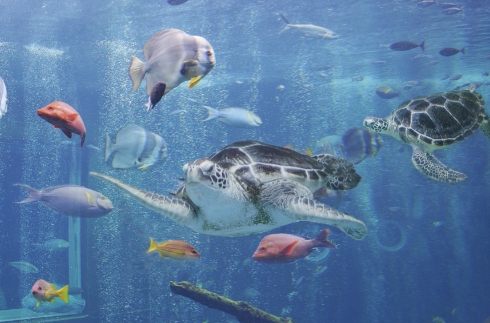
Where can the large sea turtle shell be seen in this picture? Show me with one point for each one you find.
(256, 162)
(440, 119)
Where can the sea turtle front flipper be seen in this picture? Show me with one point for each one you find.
(342, 175)
(296, 201)
(485, 126)
(179, 210)
(429, 165)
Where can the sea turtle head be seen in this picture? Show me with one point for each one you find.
(206, 182)
(376, 124)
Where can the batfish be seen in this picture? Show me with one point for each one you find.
(135, 147)
(172, 57)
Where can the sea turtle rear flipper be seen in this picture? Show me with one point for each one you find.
(296, 201)
(179, 210)
(429, 165)
(343, 176)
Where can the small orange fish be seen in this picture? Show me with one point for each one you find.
(65, 117)
(175, 249)
(46, 292)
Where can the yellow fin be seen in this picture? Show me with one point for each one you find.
(153, 246)
(193, 82)
(38, 303)
(90, 199)
(51, 300)
(162, 255)
(144, 167)
(63, 293)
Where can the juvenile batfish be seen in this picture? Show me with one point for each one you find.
(175, 249)
(236, 117)
(284, 248)
(70, 200)
(65, 117)
(24, 266)
(135, 147)
(309, 29)
(46, 292)
(52, 245)
(3, 98)
(172, 57)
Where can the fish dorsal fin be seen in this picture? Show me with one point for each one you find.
(193, 82)
(287, 250)
(71, 117)
(91, 199)
(66, 132)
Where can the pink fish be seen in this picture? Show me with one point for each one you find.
(46, 292)
(283, 248)
(63, 116)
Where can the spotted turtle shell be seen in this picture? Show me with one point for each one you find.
(440, 119)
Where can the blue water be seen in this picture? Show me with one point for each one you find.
(79, 52)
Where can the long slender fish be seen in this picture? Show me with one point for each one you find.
(309, 29)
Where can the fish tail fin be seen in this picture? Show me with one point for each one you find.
(463, 50)
(62, 293)
(108, 147)
(286, 21)
(33, 194)
(212, 113)
(422, 45)
(322, 241)
(284, 18)
(136, 72)
(153, 246)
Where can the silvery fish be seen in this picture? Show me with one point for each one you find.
(70, 200)
(52, 245)
(172, 57)
(24, 266)
(236, 117)
(135, 147)
(309, 29)
(3, 98)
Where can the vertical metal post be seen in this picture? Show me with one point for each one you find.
(74, 254)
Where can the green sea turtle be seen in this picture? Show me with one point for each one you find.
(250, 187)
(434, 122)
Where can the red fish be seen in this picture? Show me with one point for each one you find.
(283, 248)
(46, 292)
(63, 116)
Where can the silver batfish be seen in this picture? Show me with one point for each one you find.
(309, 29)
(236, 117)
(70, 200)
(172, 57)
(3, 98)
(135, 147)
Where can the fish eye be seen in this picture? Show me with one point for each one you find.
(39, 288)
(194, 251)
(263, 249)
(209, 53)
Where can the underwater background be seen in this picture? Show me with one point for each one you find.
(425, 257)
